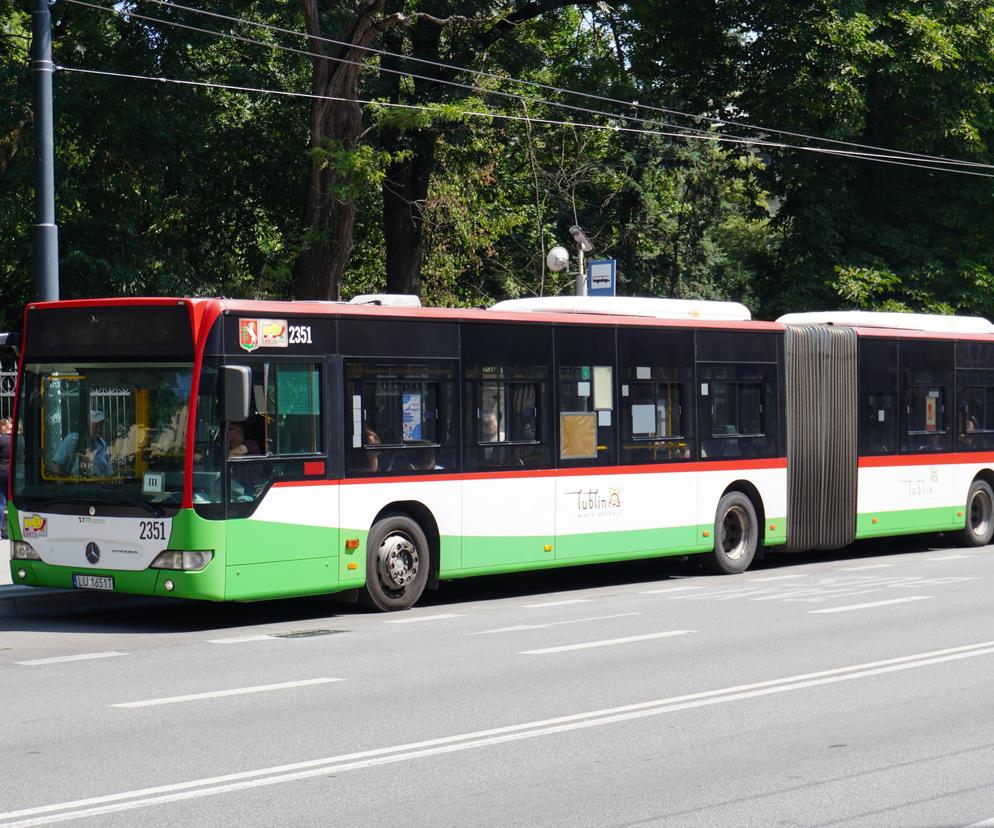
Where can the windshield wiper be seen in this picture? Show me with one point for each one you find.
(101, 497)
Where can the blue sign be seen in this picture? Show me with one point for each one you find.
(602, 277)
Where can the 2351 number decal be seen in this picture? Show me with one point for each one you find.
(151, 530)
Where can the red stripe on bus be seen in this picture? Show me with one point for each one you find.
(882, 461)
(657, 468)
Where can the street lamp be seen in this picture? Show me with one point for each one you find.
(583, 245)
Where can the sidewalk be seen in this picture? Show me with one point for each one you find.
(16, 600)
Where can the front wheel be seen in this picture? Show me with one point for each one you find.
(397, 561)
(979, 515)
(736, 535)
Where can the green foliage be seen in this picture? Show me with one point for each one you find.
(165, 189)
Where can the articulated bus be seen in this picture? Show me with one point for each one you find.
(237, 451)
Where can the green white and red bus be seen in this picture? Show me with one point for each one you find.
(240, 450)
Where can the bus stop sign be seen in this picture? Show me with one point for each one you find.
(602, 277)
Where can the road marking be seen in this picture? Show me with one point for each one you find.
(557, 603)
(608, 642)
(664, 590)
(774, 578)
(218, 694)
(522, 627)
(949, 557)
(861, 568)
(283, 774)
(870, 605)
(242, 640)
(62, 659)
(987, 823)
(421, 618)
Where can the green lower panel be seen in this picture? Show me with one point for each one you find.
(505, 552)
(282, 579)
(909, 521)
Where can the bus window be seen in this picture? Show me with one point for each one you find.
(975, 422)
(503, 416)
(586, 418)
(399, 418)
(877, 396)
(653, 420)
(926, 379)
(737, 407)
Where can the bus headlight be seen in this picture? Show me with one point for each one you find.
(22, 551)
(188, 560)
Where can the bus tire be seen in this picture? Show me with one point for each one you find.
(736, 535)
(979, 515)
(397, 562)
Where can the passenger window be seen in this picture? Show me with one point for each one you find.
(504, 411)
(927, 379)
(654, 419)
(738, 411)
(975, 423)
(400, 418)
(878, 411)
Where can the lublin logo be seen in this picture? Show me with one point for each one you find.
(592, 502)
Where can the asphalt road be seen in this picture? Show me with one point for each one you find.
(847, 689)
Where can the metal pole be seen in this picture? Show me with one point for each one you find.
(45, 233)
(581, 277)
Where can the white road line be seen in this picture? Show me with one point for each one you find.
(608, 642)
(868, 566)
(242, 640)
(238, 691)
(774, 578)
(62, 659)
(664, 590)
(987, 823)
(284, 774)
(557, 603)
(870, 605)
(421, 618)
(949, 557)
(522, 627)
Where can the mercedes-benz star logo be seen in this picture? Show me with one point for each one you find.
(92, 552)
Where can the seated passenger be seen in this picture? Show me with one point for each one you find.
(238, 444)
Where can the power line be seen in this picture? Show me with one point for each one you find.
(889, 154)
(520, 118)
(535, 84)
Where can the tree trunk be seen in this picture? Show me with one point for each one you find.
(329, 212)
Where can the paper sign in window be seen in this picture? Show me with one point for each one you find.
(603, 388)
(578, 435)
(643, 372)
(411, 422)
(644, 419)
(583, 389)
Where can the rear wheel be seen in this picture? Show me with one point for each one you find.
(397, 562)
(736, 535)
(979, 514)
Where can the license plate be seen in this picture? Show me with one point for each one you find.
(93, 582)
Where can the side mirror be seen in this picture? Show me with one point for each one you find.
(237, 389)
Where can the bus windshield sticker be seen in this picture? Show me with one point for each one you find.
(152, 482)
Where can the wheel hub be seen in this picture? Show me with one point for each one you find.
(734, 533)
(980, 513)
(398, 561)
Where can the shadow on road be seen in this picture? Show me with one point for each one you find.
(163, 616)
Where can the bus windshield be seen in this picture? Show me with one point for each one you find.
(110, 432)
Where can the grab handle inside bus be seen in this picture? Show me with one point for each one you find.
(237, 387)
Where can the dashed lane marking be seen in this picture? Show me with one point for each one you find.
(871, 605)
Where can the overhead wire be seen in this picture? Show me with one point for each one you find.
(936, 162)
(519, 118)
(714, 121)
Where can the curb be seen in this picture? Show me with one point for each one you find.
(18, 601)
